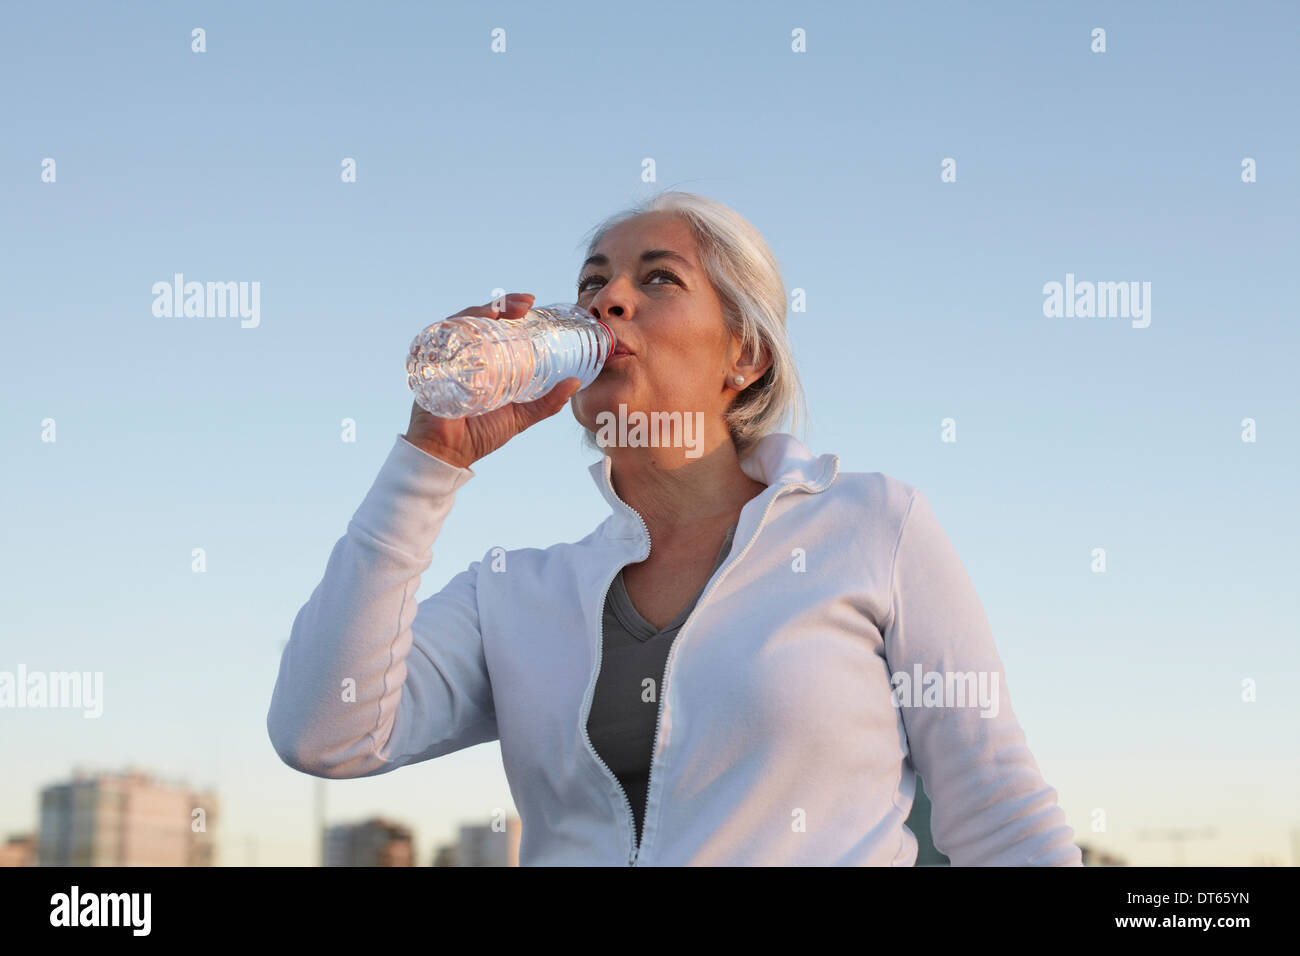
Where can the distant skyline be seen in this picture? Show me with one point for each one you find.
(914, 301)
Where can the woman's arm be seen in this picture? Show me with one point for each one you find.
(370, 681)
(991, 805)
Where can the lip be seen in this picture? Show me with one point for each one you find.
(621, 349)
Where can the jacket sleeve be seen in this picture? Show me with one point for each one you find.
(369, 680)
(990, 804)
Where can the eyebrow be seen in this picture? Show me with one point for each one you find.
(648, 256)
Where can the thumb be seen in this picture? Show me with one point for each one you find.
(530, 413)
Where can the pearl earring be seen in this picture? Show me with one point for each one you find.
(739, 380)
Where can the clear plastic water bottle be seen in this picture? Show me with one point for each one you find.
(467, 365)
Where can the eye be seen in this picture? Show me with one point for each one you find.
(582, 283)
(663, 272)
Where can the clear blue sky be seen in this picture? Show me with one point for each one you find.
(479, 171)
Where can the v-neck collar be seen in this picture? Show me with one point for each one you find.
(638, 626)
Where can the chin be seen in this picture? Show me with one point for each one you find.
(602, 395)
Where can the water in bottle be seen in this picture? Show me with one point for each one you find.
(467, 365)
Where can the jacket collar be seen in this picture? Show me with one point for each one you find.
(777, 460)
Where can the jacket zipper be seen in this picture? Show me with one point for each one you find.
(663, 689)
(600, 654)
(681, 634)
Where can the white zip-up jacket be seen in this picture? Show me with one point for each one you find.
(792, 719)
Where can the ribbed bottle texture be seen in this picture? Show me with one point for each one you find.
(467, 365)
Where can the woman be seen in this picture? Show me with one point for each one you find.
(747, 662)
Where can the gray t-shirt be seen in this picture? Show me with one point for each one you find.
(622, 719)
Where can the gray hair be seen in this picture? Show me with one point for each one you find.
(747, 280)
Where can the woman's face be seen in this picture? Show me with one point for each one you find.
(645, 281)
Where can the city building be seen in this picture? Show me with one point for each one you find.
(483, 845)
(125, 819)
(376, 842)
(445, 855)
(19, 850)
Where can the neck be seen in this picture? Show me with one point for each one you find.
(679, 497)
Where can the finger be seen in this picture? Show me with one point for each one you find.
(513, 306)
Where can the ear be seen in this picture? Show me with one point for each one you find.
(751, 371)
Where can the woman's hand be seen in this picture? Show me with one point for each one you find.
(462, 441)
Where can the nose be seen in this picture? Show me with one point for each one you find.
(608, 303)
(603, 311)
